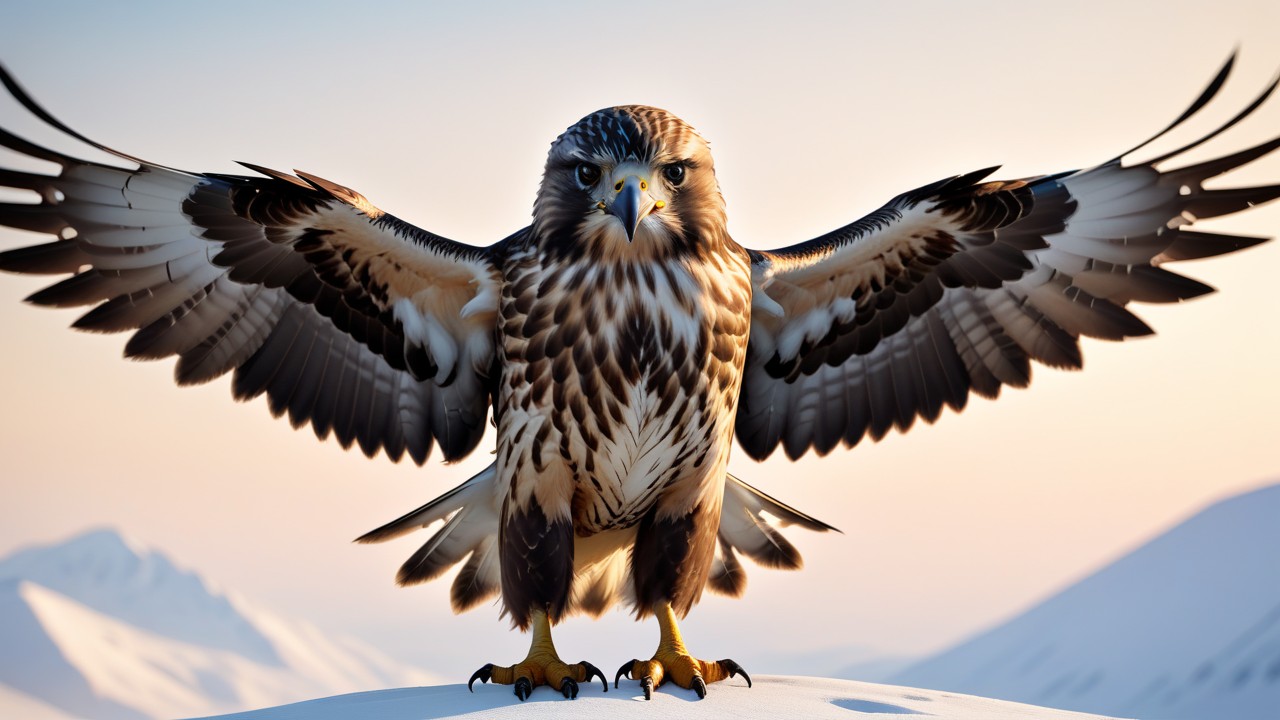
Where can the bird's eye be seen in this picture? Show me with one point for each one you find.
(588, 174)
(674, 173)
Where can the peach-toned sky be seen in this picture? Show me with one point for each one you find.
(816, 114)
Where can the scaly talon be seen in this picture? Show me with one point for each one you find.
(734, 670)
(593, 671)
(624, 670)
(524, 688)
(673, 663)
(542, 666)
(483, 675)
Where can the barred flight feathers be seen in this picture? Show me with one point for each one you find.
(957, 286)
(344, 316)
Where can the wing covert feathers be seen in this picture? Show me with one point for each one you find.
(954, 288)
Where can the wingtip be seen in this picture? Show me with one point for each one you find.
(1210, 91)
(25, 99)
(1230, 61)
(1223, 73)
(11, 83)
(5, 76)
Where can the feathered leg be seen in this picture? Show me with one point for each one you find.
(537, 573)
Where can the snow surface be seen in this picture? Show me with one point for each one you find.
(1185, 627)
(84, 650)
(772, 697)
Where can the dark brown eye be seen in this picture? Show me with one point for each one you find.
(674, 173)
(588, 174)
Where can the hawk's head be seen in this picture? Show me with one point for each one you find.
(629, 179)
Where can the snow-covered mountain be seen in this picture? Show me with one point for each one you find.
(101, 627)
(1185, 627)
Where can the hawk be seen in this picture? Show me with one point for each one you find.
(619, 343)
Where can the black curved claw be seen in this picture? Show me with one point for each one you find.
(646, 684)
(700, 686)
(735, 670)
(569, 689)
(484, 674)
(593, 671)
(624, 670)
(524, 688)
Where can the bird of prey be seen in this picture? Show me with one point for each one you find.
(619, 343)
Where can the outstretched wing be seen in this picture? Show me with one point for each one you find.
(344, 316)
(955, 287)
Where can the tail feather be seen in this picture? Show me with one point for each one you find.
(465, 495)
(442, 551)
(472, 523)
(470, 531)
(727, 576)
(744, 529)
(759, 501)
(478, 580)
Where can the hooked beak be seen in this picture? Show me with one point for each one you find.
(631, 203)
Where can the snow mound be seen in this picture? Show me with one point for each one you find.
(1186, 626)
(772, 697)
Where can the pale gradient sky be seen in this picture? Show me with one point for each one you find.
(816, 114)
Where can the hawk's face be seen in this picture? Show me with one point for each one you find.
(627, 181)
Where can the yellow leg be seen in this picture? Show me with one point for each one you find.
(542, 666)
(673, 662)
